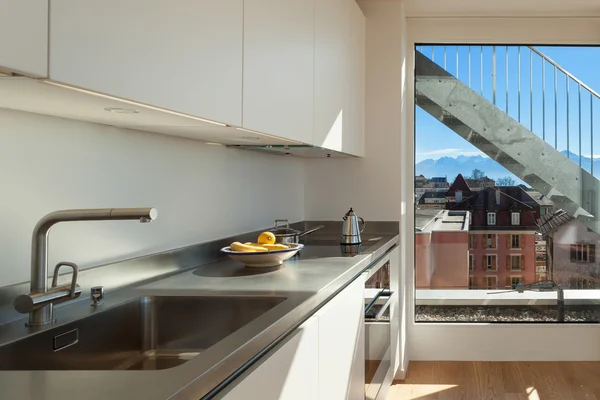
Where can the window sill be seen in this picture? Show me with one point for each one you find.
(480, 297)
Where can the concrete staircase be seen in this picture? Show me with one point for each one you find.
(508, 142)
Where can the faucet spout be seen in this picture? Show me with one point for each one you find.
(39, 246)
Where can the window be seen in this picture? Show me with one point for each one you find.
(490, 241)
(458, 196)
(515, 241)
(515, 218)
(492, 282)
(471, 262)
(491, 264)
(514, 281)
(583, 253)
(491, 218)
(471, 282)
(515, 262)
(471, 241)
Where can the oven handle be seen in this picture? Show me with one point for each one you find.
(384, 292)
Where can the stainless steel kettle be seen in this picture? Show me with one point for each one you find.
(350, 231)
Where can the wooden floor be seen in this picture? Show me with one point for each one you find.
(499, 380)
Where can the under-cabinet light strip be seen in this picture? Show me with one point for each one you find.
(134, 103)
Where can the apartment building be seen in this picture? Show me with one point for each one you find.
(501, 234)
(441, 249)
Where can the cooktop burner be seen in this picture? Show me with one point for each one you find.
(321, 248)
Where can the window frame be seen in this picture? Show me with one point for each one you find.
(493, 238)
(491, 257)
(491, 216)
(513, 257)
(487, 282)
(512, 236)
(517, 219)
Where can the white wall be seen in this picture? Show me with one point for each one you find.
(370, 185)
(201, 192)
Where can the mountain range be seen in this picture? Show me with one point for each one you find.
(452, 166)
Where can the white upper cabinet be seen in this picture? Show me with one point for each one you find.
(354, 140)
(278, 68)
(332, 39)
(184, 56)
(339, 76)
(24, 33)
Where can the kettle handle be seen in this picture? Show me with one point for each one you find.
(364, 224)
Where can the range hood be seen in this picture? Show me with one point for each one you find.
(304, 151)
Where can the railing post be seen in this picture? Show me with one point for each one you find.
(494, 75)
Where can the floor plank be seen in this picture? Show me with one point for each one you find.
(499, 381)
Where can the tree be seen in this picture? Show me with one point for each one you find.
(477, 174)
(506, 181)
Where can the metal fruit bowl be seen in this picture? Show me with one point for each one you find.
(263, 259)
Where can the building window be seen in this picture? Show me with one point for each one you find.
(514, 281)
(471, 241)
(490, 241)
(583, 253)
(471, 282)
(458, 196)
(515, 218)
(492, 282)
(471, 262)
(491, 218)
(491, 264)
(515, 241)
(515, 262)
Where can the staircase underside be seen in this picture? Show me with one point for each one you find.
(507, 141)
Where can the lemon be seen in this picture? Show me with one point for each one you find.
(266, 238)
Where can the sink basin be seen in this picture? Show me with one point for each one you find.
(148, 333)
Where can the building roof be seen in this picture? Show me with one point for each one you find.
(442, 220)
(552, 222)
(498, 198)
(431, 195)
(540, 198)
(459, 184)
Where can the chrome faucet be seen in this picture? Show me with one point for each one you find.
(39, 302)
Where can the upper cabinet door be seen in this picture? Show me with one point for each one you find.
(184, 56)
(278, 68)
(24, 33)
(354, 139)
(332, 69)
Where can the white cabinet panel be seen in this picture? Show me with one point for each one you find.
(278, 68)
(332, 41)
(24, 33)
(185, 57)
(290, 371)
(341, 345)
(353, 142)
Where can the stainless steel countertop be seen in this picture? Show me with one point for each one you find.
(306, 284)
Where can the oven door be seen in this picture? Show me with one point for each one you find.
(377, 341)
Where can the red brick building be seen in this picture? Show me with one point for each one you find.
(501, 233)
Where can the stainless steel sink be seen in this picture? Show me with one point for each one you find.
(148, 333)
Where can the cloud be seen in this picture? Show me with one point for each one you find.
(449, 153)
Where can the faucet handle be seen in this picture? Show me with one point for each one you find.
(73, 280)
(97, 295)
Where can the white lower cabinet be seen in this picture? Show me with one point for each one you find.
(289, 371)
(323, 359)
(342, 345)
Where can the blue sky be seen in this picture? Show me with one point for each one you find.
(434, 140)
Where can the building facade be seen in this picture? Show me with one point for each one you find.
(441, 249)
(501, 234)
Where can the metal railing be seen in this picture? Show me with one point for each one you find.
(546, 98)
